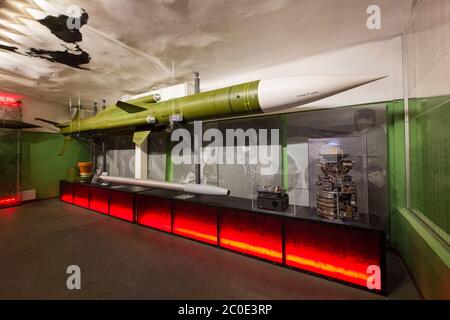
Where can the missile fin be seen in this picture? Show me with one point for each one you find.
(56, 124)
(12, 124)
(128, 107)
(67, 141)
(140, 136)
(47, 121)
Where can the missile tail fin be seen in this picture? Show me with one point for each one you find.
(67, 141)
(56, 124)
(140, 136)
(76, 117)
(129, 108)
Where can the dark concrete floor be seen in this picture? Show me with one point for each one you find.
(38, 241)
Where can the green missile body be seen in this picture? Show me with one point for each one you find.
(236, 100)
(254, 97)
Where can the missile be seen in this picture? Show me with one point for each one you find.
(188, 188)
(256, 97)
(285, 93)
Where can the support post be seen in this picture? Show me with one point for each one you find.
(198, 167)
(141, 160)
(169, 164)
(284, 152)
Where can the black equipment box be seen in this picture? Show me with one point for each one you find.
(274, 201)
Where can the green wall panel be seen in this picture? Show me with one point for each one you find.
(41, 167)
(9, 161)
(430, 160)
(427, 258)
(396, 162)
(396, 154)
(425, 254)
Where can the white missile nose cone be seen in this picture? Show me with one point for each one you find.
(369, 79)
(294, 91)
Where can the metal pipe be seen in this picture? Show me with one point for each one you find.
(103, 153)
(188, 188)
(197, 82)
(198, 168)
(154, 98)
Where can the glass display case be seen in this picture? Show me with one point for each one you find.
(338, 178)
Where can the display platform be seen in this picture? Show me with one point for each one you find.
(346, 252)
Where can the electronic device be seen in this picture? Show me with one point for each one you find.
(272, 198)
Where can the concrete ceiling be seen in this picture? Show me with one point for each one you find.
(131, 45)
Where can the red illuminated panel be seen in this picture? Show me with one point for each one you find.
(154, 213)
(333, 251)
(99, 200)
(66, 192)
(81, 196)
(254, 234)
(195, 221)
(121, 205)
(12, 104)
(9, 201)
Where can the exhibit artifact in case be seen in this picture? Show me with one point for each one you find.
(272, 198)
(338, 178)
(336, 190)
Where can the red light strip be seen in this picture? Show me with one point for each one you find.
(67, 198)
(99, 205)
(160, 221)
(9, 201)
(81, 200)
(10, 100)
(14, 104)
(196, 235)
(121, 211)
(309, 264)
(248, 248)
(99, 200)
(154, 213)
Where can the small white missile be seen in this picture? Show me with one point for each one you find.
(188, 188)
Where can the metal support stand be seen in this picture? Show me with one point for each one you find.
(198, 167)
(141, 160)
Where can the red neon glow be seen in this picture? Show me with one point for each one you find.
(81, 196)
(121, 205)
(10, 100)
(12, 104)
(251, 233)
(99, 200)
(67, 198)
(154, 213)
(196, 222)
(66, 192)
(336, 252)
(332, 270)
(10, 201)
(196, 235)
(251, 249)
